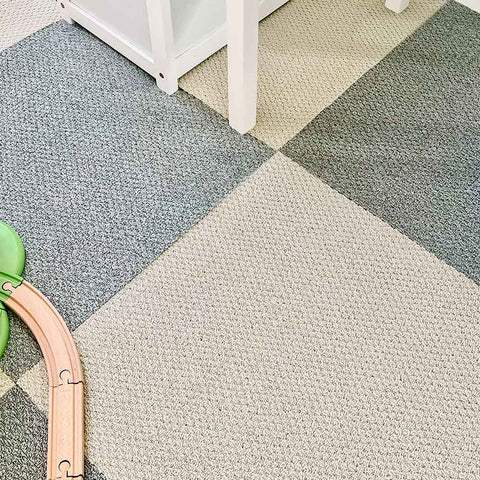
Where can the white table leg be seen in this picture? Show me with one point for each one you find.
(242, 24)
(397, 6)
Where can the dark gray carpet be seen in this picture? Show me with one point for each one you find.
(404, 141)
(23, 437)
(100, 170)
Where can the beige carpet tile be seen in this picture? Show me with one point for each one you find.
(6, 383)
(290, 334)
(21, 18)
(311, 51)
(34, 382)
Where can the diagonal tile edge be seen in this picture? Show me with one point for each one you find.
(23, 439)
(175, 175)
(33, 381)
(420, 175)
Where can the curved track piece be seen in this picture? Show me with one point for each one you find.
(65, 428)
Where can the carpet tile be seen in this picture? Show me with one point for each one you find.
(20, 18)
(243, 313)
(6, 383)
(102, 170)
(404, 141)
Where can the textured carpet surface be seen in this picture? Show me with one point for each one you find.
(310, 52)
(20, 18)
(23, 438)
(404, 141)
(101, 170)
(290, 334)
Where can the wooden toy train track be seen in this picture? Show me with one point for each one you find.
(65, 376)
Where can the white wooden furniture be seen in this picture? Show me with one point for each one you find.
(167, 38)
(243, 58)
(473, 4)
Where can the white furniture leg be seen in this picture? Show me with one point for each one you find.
(242, 25)
(161, 36)
(64, 11)
(397, 6)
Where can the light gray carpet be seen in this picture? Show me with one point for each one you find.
(404, 141)
(101, 170)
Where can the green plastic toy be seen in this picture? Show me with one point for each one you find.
(12, 261)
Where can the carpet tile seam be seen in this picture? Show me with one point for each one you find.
(227, 160)
(369, 215)
(381, 225)
(312, 158)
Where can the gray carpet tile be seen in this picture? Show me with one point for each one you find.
(23, 440)
(404, 141)
(100, 170)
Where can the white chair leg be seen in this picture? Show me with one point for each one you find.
(242, 24)
(397, 6)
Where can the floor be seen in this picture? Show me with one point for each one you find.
(302, 302)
